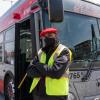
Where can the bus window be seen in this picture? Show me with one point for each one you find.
(98, 43)
(9, 46)
(99, 25)
(25, 41)
(1, 47)
(10, 35)
(0, 53)
(80, 34)
(9, 53)
(26, 44)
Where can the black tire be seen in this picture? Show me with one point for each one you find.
(7, 87)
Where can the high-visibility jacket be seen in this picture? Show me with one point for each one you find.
(59, 86)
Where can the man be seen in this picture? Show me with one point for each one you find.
(50, 72)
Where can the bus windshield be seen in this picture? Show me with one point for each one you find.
(80, 33)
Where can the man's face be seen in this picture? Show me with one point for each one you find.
(50, 39)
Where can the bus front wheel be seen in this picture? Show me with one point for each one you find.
(9, 88)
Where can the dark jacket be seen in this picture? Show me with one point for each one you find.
(56, 71)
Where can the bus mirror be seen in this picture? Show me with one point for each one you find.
(55, 10)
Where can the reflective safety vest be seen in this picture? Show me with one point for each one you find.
(58, 87)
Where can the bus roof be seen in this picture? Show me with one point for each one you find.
(21, 10)
(23, 7)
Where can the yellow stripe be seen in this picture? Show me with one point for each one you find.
(70, 55)
(34, 83)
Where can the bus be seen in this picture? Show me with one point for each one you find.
(78, 24)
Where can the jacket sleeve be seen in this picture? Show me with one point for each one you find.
(58, 68)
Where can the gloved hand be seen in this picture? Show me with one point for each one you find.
(33, 62)
(33, 72)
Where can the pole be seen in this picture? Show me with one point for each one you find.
(22, 81)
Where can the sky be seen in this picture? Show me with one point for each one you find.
(5, 5)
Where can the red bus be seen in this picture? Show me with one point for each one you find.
(78, 22)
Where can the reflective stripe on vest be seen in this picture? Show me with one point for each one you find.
(35, 80)
(54, 86)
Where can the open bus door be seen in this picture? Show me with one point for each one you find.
(23, 55)
(27, 43)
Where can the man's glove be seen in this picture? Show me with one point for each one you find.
(33, 62)
(31, 70)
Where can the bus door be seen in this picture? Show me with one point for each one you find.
(23, 55)
(27, 45)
